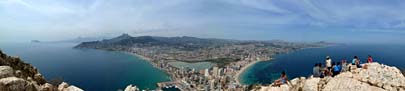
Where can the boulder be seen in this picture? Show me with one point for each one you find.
(62, 86)
(72, 88)
(65, 87)
(15, 84)
(6, 71)
(131, 88)
(47, 87)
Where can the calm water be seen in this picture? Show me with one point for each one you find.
(300, 63)
(91, 70)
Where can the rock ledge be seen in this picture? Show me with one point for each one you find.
(15, 75)
(377, 77)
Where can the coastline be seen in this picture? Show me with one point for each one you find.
(237, 73)
(152, 63)
(243, 69)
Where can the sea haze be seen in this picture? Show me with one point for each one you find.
(300, 63)
(91, 70)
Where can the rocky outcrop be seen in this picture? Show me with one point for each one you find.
(375, 77)
(131, 88)
(15, 75)
(65, 87)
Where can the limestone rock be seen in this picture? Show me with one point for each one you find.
(6, 71)
(62, 86)
(376, 77)
(281, 88)
(65, 87)
(72, 88)
(344, 84)
(131, 88)
(25, 77)
(47, 87)
(15, 84)
(311, 84)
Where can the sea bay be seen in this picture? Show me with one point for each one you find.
(300, 63)
(89, 69)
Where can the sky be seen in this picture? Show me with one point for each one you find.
(352, 21)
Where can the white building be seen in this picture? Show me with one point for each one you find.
(207, 73)
(215, 71)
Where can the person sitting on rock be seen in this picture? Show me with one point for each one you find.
(328, 72)
(316, 70)
(336, 69)
(369, 59)
(322, 70)
(282, 80)
(344, 65)
(354, 60)
(328, 62)
(358, 62)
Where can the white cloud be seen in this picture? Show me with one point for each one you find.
(97, 17)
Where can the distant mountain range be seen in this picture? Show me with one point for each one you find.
(78, 40)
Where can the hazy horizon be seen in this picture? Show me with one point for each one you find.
(344, 21)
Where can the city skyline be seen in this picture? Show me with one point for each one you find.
(303, 21)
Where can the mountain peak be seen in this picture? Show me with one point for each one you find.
(125, 35)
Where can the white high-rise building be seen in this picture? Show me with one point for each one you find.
(207, 73)
(220, 71)
(215, 71)
(212, 84)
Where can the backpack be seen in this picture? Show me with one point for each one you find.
(335, 68)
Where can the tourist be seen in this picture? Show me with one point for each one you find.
(328, 63)
(333, 69)
(354, 60)
(316, 70)
(282, 80)
(321, 70)
(344, 66)
(327, 72)
(336, 69)
(357, 63)
(369, 59)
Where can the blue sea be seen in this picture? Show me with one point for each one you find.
(89, 69)
(300, 63)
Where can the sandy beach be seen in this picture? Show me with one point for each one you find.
(243, 70)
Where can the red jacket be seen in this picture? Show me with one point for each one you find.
(369, 60)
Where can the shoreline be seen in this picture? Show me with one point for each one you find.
(237, 74)
(243, 69)
(152, 63)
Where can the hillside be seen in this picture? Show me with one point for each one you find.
(377, 77)
(15, 75)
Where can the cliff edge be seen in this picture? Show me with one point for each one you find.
(15, 75)
(376, 77)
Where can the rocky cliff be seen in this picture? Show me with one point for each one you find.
(15, 75)
(376, 77)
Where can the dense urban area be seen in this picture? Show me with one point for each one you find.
(230, 57)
